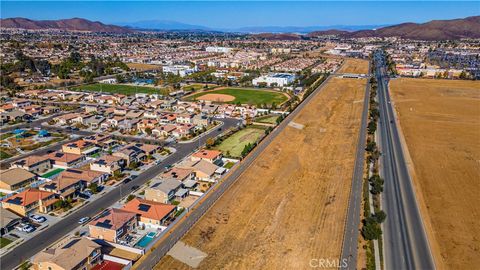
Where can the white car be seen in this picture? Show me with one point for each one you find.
(83, 220)
(25, 228)
(37, 218)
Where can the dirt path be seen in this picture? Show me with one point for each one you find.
(289, 206)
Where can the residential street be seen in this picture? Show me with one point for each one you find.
(51, 234)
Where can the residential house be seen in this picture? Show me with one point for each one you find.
(185, 118)
(65, 119)
(112, 225)
(204, 170)
(164, 130)
(77, 253)
(163, 191)
(94, 121)
(65, 187)
(131, 153)
(29, 200)
(34, 164)
(143, 124)
(212, 156)
(180, 174)
(108, 164)
(15, 178)
(134, 114)
(79, 147)
(201, 120)
(87, 177)
(128, 125)
(183, 130)
(65, 160)
(151, 214)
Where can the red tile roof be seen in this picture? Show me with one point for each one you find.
(150, 209)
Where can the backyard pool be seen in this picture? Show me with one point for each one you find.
(146, 239)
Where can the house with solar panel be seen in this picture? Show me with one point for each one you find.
(30, 200)
(113, 225)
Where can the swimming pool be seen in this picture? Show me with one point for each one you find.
(146, 239)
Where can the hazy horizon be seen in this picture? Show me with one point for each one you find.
(223, 15)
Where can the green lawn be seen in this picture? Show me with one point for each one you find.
(117, 88)
(4, 242)
(269, 119)
(5, 135)
(52, 173)
(236, 142)
(247, 96)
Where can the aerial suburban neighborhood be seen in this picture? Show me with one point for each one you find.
(153, 144)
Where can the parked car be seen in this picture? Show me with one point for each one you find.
(37, 218)
(83, 196)
(83, 220)
(128, 179)
(135, 187)
(24, 227)
(88, 192)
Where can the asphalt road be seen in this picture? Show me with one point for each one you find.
(405, 244)
(351, 233)
(197, 212)
(69, 223)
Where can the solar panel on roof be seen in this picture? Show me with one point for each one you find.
(16, 200)
(143, 207)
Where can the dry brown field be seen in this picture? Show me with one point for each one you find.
(440, 120)
(290, 206)
(141, 66)
(354, 65)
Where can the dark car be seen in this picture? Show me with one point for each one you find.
(75, 129)
(135, 187)
(219, 129)
(83, 196)
(128, 179)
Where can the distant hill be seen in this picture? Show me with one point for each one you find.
(434, 30)
(271, 36)
(74, 24)
(164, 25)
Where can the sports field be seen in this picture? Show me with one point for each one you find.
(233, 145)
(117, 89)
(289, 206)
(241, 95)
(440, 121)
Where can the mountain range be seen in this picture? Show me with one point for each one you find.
(434, 30)
(74, 24)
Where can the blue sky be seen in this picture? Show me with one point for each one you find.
(228, 14)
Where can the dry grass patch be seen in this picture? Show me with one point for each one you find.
(290, 205)
(440, 120)
(354, 65)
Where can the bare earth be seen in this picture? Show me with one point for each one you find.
(440, 120)
(290, 206)
(217, 97)
(142, 66)
(353, 65)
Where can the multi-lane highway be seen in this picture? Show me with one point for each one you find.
(405, 244)
(196, 213)
(69, 223)
(350, 237)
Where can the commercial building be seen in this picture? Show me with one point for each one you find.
(276, 79)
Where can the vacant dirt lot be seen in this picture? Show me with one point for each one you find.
(353, 65)
(290, 205)
(440, 120)
(141, 66)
